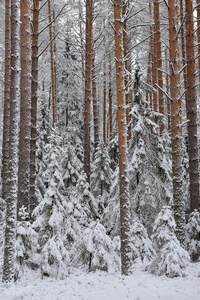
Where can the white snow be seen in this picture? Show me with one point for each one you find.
(103, 286)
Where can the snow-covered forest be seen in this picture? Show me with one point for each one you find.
(99, 131)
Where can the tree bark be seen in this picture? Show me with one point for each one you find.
(95, 103)
(52, 64)
(11, 200)
(176, 122)
(6, 112)
(88, 69)
(191, 108)
(25, 108)
(122, 139)
(157, 52)
(34, 100)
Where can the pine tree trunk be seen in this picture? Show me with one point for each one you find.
(167, 91)
(11, 199)
(191, 108)
(198, 36)
(88, 72)
(6, 112)
(104, 90)
(95, 103)
(54, 67)
(52, 63)
(110, 99)
(158, 61)
(34, 99)
(122, 139)
(176, 122)
(183, 44)
(25, 109)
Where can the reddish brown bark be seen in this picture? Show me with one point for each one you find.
(167, 91)
(6, 112)
(25, 109)
(122, 140)
(34, 100)
(198, 36)
(191, 108)
(176, 122)
(183, 52)
(88, 73)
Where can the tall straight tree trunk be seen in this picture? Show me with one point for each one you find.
(176, 131)
(158, 61)
(88, 73)
(104, 89)
(6, 112)
(183, 52)
(198, 36)
(110, 99)
(122, 139)
(52, 63)
(34, 100)
(191, 108)
(167, 91)
(25, 108)
(11, 195)
(54, 68)
(95, 103)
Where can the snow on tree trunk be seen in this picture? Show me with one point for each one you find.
(34, 98)
(25, 108)
(176, 122)
(11, 201)
(122, 137)
(6, 113)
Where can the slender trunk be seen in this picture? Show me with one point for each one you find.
(198, 36)
(88, 69)
(95, 103)
(167, 91)
(159, 61)
(191, 108)
(122, 138)
(110, 99)
(176, 122)
(54, 68)
(104, 89)
(52, 63)
(25, 109)
(6, 112)
(183, 52)
(34, 99)
(11, 200)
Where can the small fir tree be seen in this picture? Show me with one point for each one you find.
(101, 176)
(193, 235)
(96, 250)
(171, 259)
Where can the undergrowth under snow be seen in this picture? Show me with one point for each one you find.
(103, 286)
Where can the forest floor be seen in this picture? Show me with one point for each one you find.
(103, 286)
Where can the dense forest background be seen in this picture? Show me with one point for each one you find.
(100, 133)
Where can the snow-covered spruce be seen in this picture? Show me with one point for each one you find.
(171, 259)
(101, 176)
(193, 235)
(96, 250)
(141, 245)
(51, 211)
(149, 160)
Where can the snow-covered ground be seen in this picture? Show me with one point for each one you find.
(102, 286)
